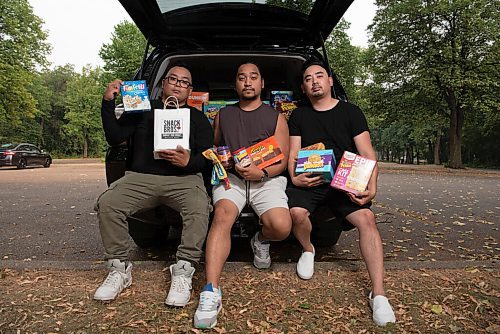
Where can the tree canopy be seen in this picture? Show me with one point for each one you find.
(123, 55)
(23, 49)
(444, 49)
(428, 81)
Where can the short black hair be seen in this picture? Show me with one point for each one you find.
(311, 62)
(250, 62)
(180, 64)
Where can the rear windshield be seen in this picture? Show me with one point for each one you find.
(168, 5)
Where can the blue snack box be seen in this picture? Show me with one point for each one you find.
(280, 96)
(316, 161)
(135, 96)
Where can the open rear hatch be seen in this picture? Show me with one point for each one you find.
(219, 24)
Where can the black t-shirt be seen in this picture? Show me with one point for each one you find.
(138, 130)
(336, 128)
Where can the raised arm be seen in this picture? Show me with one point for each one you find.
(116, 131)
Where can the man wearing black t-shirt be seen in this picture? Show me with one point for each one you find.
(341, 126)
(174, 180)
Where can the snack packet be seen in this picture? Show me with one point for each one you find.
(218, 171)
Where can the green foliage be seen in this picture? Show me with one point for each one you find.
(123, 55)
(445, 54)
(303, 6)
(52, 119)
(22, 38)
(41, 94)
(22, 49)
(84, 126)
(344, 58)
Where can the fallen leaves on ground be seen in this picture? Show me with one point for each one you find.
(334, 301)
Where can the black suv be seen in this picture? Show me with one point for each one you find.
(212, 38)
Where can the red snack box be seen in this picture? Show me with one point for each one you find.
(196, 99)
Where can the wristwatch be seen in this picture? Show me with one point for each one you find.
(264, 176)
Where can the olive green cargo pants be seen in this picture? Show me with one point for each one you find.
(135, 192)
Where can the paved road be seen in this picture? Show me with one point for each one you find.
(425, 214)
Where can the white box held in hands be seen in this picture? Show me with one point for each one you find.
(171, 128)
(353, 173)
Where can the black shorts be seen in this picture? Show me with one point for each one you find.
(336, 200)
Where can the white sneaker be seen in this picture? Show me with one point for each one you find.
(181, 285)
(305, 265)
(382, 310)
(208, 308)
(261, 258)
(119, 278)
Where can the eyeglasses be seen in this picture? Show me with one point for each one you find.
(174, 81)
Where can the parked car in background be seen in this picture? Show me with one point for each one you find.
(212, 38)
(23, 155)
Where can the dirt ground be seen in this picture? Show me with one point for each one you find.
(273, 301)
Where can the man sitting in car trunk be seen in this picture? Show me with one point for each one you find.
(341, 126)
(242, 125)
(175, 180)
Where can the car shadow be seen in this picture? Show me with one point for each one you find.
(15, 168)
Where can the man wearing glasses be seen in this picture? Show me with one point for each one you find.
(175, 180)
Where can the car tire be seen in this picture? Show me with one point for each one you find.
(326, 234)
(326, 228)
(47, 163)
(22, 163)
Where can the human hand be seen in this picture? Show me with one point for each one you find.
(362, 197)
(178, 157)
(112, 89)
(249, 173)
(307, 180)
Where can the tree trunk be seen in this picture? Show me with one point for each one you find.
(408, 158)
(456, 123)
(41, 141)
(430, 152)
(437, 149)
(85, 147)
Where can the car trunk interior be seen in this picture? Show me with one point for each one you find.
(216, 73)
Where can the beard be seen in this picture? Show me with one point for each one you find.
(319, 93)
(249, 97)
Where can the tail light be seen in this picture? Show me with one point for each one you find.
(8, 153)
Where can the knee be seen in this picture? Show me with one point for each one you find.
(299, 215)
(366, 221)
(223, 217)
(281, 227)
(104, 203)
(282, 233)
